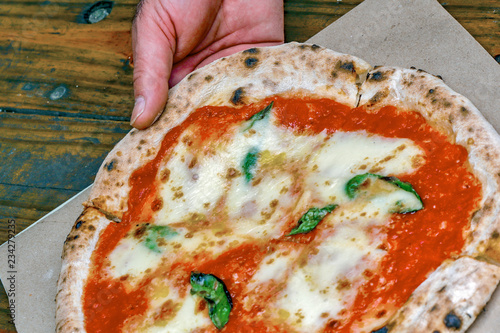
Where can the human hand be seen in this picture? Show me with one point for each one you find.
(171, 38)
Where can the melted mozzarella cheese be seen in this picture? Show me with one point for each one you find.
(319, 290)
(345, 155)
(131, 257)
(191, 189)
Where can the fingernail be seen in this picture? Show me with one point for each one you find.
(140, 102)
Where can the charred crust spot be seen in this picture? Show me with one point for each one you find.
(348, 66)
(446, 104)
(442, 289)
(413, 67)
(191, 76)
(464, 111)
(434, 308)
(91, 228)
(377, 97)
(495, 234)
(333, 323)
(436, 331)
(76, 236)
(452, 321)
(377, 76)
(381, 330)
(157, 204)
(381, 313)
(209, 78)
(142, 141)
(334, 74)
(78, 224)
(313, 47)
(439, 77)
(250, 62)
(237, 97)
(124, 277)
(110, 166)
(253, 50)
(431, 91)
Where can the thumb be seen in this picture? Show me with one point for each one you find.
(153, 45)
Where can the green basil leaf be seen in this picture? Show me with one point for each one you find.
(157, 231)
(249, 163)
(259, 116)
(213, 290)
(354, 185)
(311, 219)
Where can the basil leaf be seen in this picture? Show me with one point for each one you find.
(311, 219)
(354, 185)
(213, 290)
(249, 163)
(157, 231)
(259, 116)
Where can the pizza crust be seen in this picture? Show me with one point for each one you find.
(243, 78)
(449, 300)
(77, 251)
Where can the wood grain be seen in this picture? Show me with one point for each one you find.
(66, 92)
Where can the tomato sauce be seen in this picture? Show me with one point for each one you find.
(416, 243)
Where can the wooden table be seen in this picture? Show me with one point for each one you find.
(66, 93)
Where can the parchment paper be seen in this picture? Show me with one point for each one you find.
(383, 32)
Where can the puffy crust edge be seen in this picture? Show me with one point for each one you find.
(456, 116)
(243, 78)
(77, 252)
(449, 300)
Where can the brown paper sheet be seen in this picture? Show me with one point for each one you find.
(383, 32)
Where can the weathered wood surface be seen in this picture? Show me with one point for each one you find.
(66, 92)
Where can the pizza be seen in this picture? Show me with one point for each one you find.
(292, 189)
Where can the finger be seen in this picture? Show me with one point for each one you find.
(153, 42)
